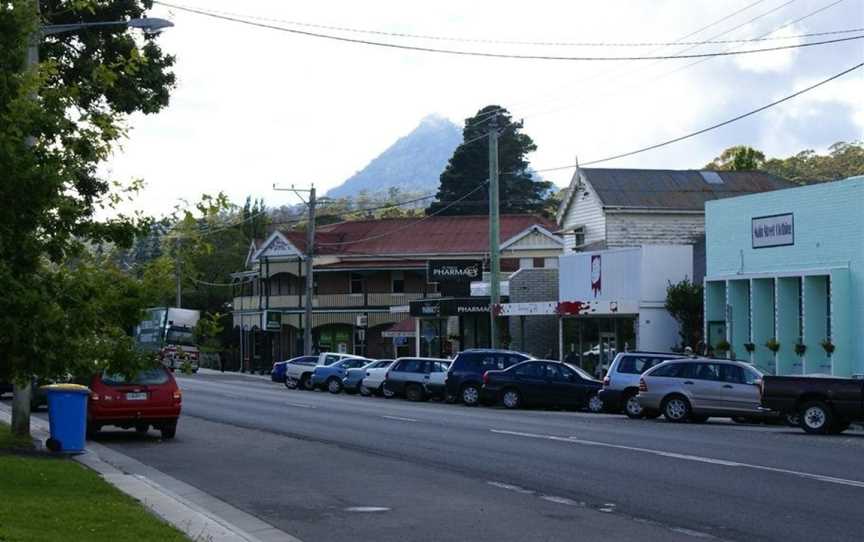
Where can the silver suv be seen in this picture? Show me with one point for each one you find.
(694, 389)
(621, 383)
(416, 378)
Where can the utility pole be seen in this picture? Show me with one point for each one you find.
(494, 227)
(310, 255)
(179, 297)
(22, 390)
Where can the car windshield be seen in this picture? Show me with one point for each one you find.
(148, 377)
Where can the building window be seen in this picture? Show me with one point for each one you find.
(356, 283)
(578, 237)
(539, 263)
(397, 279)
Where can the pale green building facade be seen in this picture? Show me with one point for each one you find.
(784, 282)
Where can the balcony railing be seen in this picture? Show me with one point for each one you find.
(373, 299)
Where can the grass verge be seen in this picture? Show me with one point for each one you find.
(44, 498)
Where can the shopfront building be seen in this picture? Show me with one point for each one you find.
(446, 326)
(784, 287)
(613, 300)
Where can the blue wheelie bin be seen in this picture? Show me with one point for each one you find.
(67, 415)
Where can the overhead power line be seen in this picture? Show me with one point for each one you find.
(503, 55)
(431, 37)
(709, 128)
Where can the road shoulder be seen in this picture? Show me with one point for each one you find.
(197, 514)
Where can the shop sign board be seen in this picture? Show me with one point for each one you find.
(529, 309)
(453, 271)
(773, 231)
(449, 307)
(274, 321)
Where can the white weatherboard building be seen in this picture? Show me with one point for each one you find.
(612, 300)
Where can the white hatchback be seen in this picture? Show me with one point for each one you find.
(373, 382)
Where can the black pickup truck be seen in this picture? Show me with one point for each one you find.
(823, 406)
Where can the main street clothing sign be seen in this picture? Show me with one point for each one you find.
(773, 231)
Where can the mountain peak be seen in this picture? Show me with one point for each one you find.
(413, 163)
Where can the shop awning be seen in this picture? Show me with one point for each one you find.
(405, 328)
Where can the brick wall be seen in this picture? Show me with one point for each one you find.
(536, 335)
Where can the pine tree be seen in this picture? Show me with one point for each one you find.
(468, 169)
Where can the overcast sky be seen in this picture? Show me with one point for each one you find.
(255, 106)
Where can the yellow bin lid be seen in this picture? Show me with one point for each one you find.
(75, 388)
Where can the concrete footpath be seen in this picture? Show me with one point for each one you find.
(199, 515)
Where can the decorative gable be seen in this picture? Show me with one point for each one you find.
(533, 238)
(276, 247)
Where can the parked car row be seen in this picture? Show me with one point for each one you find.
(637, 384)
(473, 377)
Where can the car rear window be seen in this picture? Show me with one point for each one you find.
(149, 377)
(636, 365)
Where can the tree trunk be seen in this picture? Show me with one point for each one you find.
(21, 410)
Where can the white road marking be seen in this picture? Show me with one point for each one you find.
(560, 500)
(367, 509)
(511, 487)
(687, 457)
(399, 418)
(301, 405)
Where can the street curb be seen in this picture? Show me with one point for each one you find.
(177, 505)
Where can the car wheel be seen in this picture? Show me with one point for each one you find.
(364, 391)
(387, 392)
(413, 392)
(632, 408)
(169, 430)
(470, 395)
(334, 386)
(595, 404)
(290, 383)
(511, 399)
(816, 418)
(306, 382)
(676, 409)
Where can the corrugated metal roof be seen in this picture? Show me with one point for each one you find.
(684, 190)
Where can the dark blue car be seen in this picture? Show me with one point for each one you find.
(277, 374)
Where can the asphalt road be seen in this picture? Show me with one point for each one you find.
(325, 467)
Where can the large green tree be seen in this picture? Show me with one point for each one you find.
(468, 169)
(58, 122)
(738, 158)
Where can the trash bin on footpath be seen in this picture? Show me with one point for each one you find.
(67, 415)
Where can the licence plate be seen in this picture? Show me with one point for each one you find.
(140, 396)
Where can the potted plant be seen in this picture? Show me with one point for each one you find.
(722, 347)
(772, 345)
(828, 346)
(750, 347)
(800, 348)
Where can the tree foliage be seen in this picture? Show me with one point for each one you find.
(842, 160)
(468, 169)
(66, 311)
(738, 158)
(684, 301)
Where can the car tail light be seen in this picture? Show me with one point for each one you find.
(605, 381)
(94, 396)
(178, 395)
(486, 377)
(642, 385)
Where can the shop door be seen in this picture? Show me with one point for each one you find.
(607, 353)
